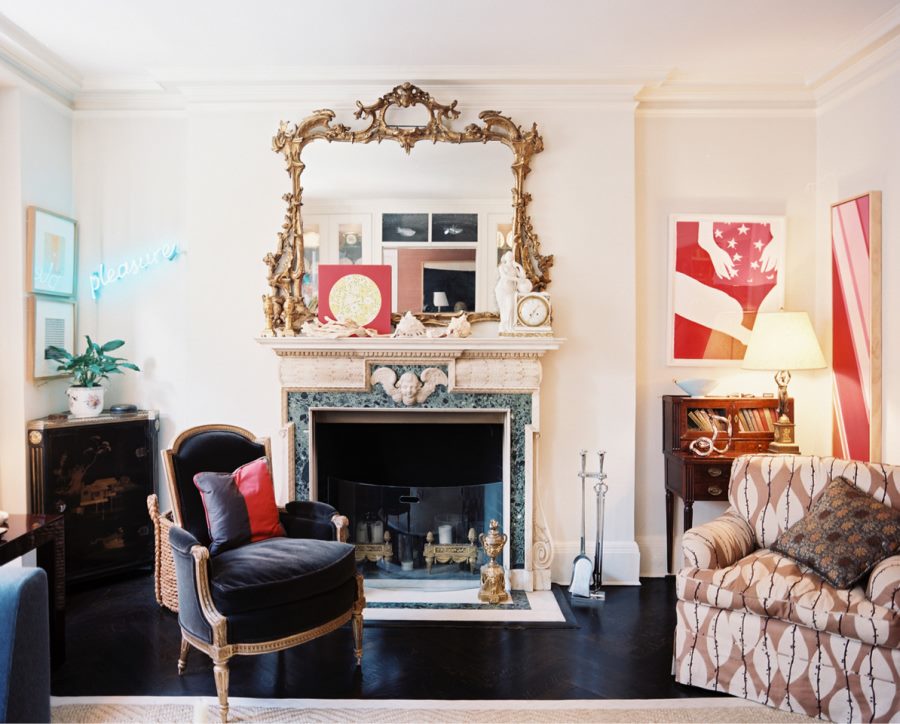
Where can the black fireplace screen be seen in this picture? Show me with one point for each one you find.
(409, 480)
(454, 515)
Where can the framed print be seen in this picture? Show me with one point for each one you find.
(454, 227)
(52, 253)
(51, 322)
(723, 270)
(448, 286)
(358, 292)
(404, 227)
(856, 327)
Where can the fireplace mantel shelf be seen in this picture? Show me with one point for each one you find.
(452, 347)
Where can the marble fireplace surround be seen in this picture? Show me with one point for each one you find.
(498, 375)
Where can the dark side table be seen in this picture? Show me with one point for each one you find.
(44, 534)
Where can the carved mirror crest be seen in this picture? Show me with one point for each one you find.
(285, 307)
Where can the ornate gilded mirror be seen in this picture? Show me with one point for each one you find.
(444, 238)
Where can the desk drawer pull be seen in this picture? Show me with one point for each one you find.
(714, 472)
(714, 490)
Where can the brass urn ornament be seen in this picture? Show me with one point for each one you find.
(493, 578)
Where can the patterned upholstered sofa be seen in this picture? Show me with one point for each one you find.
(755, 624)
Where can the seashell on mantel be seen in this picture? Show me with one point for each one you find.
(409, 326)
(458, 328)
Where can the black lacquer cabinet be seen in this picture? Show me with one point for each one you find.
(98, 472)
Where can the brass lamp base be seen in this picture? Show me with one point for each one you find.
(784, 444)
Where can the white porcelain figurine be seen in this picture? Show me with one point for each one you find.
(512, 282)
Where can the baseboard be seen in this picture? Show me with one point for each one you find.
(653, 555)
(621, 562)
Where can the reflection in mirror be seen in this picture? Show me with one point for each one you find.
(430, 215)
(433, 280)
(341, 172)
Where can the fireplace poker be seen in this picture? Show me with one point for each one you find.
(600, 488)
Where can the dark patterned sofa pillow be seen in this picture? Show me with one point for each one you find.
(844, 535)
(240, 506)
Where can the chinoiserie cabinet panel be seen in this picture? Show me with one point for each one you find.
(98, 472)
(692, 477)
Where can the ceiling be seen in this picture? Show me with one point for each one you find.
(142, 43)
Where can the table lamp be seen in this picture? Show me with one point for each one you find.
(783, 341)
(440, 300)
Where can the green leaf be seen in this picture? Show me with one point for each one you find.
(94, 365)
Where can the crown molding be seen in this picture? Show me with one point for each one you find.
(217, 97)
(380, 75)
(863, 73)
(858, 49)
(653, 91)
(37, 65)
(693, 98)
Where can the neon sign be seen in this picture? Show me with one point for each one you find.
(104, 276)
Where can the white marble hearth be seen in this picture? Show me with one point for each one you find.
(420, 376)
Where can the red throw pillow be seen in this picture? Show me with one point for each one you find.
(240, 506)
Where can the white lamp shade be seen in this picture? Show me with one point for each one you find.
(783, 341)
(440, 299)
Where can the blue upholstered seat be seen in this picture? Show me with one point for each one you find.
(24, 645)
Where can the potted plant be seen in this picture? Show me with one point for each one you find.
(88, 370)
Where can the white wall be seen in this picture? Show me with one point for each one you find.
(12, 307)
(36, 148)
(761, 164)
(131, 199)
(858, 150)
(211, 179)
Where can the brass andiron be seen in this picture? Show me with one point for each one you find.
(374, 552)
(456, 552)
(493, 578)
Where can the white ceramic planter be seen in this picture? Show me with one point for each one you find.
(85, 401)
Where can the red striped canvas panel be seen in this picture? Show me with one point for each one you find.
(856, 315)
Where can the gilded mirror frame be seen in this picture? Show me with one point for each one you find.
(284, 307)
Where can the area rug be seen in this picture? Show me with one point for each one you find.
(200, 710)
(462, 606)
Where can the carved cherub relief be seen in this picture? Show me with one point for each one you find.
(409, 389)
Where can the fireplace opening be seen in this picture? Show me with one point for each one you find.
(418, 488)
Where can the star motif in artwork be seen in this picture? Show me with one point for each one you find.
(758, 245)
(743, 229)
(754, 265)
(731, 243)
(737, 257)
(718, 233)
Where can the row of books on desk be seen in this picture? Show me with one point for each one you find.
(750, 419)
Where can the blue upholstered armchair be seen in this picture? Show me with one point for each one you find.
(24, 645)
(260, 596)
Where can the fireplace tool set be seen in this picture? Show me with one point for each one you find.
(587, 580)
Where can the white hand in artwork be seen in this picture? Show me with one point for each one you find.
(709, 307)
(721, 260)
(770, 256)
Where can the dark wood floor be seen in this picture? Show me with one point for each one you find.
(119, 642)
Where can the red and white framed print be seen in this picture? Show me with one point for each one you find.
(856, 326)
(356, 292)
(724, 269)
